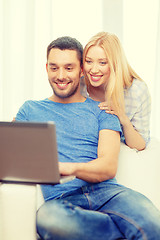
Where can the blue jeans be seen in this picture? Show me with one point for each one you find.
(103, 211)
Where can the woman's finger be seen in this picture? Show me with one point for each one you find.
(110, 111)
(104, 108)
(102, 104)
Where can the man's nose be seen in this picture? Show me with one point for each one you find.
(61, 74)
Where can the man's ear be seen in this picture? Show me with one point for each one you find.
(47, 67)
(82, 74)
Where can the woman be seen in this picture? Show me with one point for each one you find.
(111, 80)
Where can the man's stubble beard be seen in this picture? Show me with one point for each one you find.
(69, 94)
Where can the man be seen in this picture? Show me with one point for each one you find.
(93, 205)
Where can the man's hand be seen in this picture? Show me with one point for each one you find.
(67, 169)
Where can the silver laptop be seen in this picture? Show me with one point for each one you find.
(28, 153)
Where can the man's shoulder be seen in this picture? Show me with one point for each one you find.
(100, 113)
(92, 105)
(31, 110)
(35, 102)
(92, 102)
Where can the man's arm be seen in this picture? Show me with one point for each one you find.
(102, 168)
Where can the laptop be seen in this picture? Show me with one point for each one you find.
(28, 153)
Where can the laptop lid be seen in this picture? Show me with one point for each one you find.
(28, 153)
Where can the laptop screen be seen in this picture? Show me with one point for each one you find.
(28, 152)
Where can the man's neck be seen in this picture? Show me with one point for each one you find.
(72, 99)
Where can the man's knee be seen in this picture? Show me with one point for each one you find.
(46, 217)
(55, 218)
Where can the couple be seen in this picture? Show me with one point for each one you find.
(93, 205)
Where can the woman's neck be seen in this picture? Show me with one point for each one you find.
(96, 93)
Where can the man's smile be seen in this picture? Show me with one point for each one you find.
(62, 85)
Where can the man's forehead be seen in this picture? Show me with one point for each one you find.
(56, 53)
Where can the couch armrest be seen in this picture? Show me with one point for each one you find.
(139, 170)
(40, 198)
(18, 211)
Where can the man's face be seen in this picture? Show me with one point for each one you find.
(64, 72)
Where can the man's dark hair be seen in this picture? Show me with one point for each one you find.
(67, 43)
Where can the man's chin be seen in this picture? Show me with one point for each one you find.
(65, 94)
(62, 94)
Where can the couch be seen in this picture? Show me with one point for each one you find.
(19, 202)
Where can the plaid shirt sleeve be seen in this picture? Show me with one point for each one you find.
(138, 108)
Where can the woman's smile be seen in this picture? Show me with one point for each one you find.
(96, 78)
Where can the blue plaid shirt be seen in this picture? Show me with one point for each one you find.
(138, 108)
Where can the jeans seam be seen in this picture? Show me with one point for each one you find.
(89, 202)
(129, 220)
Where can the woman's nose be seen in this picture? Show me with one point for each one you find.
(94, 68)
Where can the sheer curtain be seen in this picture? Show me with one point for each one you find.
(25, 33)
(26, 29)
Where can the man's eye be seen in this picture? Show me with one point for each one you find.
(53, 68)
(69, 68)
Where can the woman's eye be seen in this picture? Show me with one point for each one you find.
(88, 61)
(103, 63)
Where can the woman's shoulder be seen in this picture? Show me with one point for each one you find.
(138, 88)
(137, 83)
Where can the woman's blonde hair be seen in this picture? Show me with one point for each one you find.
(121, 73)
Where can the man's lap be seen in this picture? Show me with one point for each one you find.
(112, 204)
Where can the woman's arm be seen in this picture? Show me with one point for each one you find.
(133, 139)
(136, 120)
(102, 168)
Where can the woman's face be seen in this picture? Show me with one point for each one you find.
(96, 66)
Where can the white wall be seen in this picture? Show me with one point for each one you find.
(26, 29)
(140, 28)
(113, 17)
(79, 19)
(136, 24)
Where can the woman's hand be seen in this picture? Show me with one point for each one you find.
(120, 114)
(132, 137)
